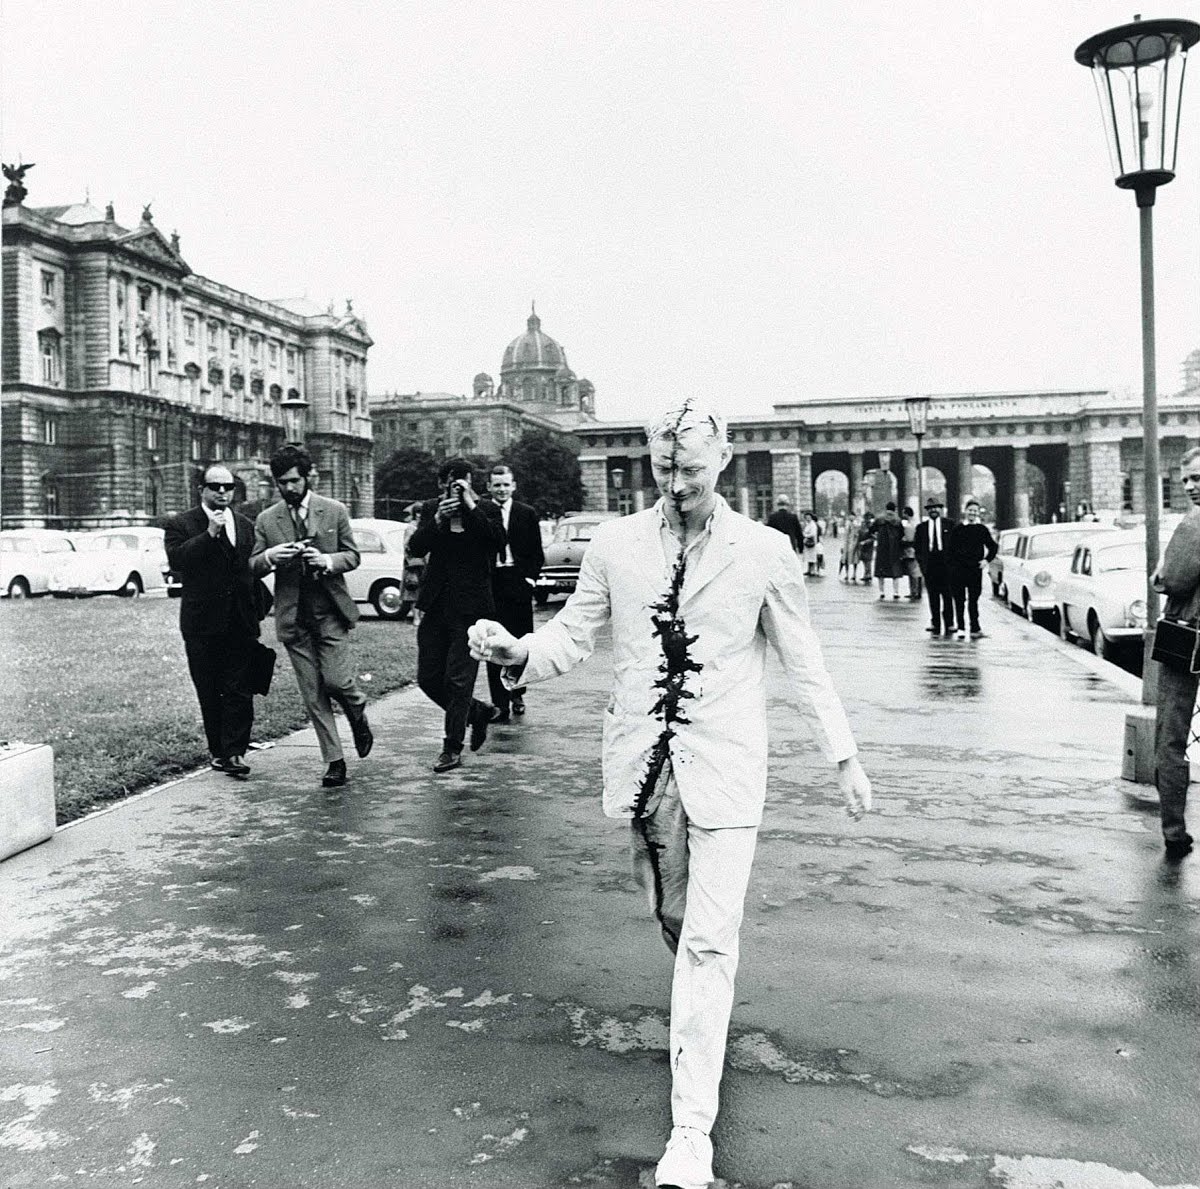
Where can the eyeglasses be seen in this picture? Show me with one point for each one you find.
(221, 486)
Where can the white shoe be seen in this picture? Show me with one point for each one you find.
(687, 1162)
(961, 634)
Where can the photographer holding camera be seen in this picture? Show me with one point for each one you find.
(461, 537)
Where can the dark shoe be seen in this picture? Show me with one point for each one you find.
(518, 705)
(976, 634)
(1178, 848)
(501, 716)
(335, 775)
(479, 726)
(447, 761)
(361, 730)
(231, 765)
(935, 629)
(936, 633)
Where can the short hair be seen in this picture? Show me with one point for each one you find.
(690, 415)
(908, 511)
(891, 505)
(1188, 455)
(502, 468)
(287, 457)
(454, 468)
(972, 501)
(783, 499)
(216, 466)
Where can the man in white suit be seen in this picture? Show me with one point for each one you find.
(695, 592)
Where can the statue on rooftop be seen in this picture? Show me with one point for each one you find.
(16, 192)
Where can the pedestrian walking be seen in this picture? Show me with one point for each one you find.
(785, 521)
(930, 543)
(909, 554)
(209, 548)
(848, 550)
(306, 540)
(462, 537)
(694, 592)
(517, 566)
(864, 553)
(970, 546)
(810, 538)
(1178, 577)
(889, 548)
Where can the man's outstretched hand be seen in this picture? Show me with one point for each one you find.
(491, 641)
(856, 788)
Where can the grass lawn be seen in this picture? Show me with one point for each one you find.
(104, 681)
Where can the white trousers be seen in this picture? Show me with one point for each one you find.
(696, 882)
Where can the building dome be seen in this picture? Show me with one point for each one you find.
(564, 374)
(532, 351)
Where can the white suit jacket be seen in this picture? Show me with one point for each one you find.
(746, 591)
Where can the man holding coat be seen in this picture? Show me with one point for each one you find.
(695, 593)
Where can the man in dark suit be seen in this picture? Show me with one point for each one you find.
(306, 539)
(462, 537)
(930, 543)
(517, 566)
(209, 548)
(784, 520)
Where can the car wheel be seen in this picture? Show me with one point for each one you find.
(132, 587)
(388, 600)
(18, 588)
(1064, 630)
(1102, 646)
(541, 597)
(1027, 607)
(995, 590)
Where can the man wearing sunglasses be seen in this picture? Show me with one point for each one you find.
(209, 548)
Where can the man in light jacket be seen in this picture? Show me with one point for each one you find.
(695, 593)
(306, 539)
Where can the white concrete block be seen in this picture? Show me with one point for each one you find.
(26, 796)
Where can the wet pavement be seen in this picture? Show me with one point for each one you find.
(447, 981)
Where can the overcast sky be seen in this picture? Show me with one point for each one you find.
(759, 201)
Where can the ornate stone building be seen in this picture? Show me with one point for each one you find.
(125, 373)
(537, 389)
(1035, 451)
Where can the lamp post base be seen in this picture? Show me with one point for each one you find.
(1137, 763)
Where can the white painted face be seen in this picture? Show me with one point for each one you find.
(686, 469)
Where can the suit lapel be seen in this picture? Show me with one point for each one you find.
(716, 556)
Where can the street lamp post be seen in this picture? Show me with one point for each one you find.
(294, 409)
(917, 408)
(1138, 70)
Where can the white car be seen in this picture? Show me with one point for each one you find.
(27, 559)
(123, 561)
(1102, 599)
(1006, 542)
(386, 578)
(1042, 556)
(560, 571)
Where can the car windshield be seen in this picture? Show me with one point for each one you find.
(123, 541)
(575, 532)
(1054, 544)
(1131, 556)
(57, 545)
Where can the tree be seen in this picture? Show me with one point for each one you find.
(404, 477)
(547, 472)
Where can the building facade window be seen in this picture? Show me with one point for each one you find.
(273, 354)
(291, 361)
(50, 429)
(195, 449)
(49, 287)
(189, 328)
(50, 346)
(144, 299)
(151, 436)
(235, 340)
(255, 348)
(49, 496)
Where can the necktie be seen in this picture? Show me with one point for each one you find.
(299, 523)
(937, 536)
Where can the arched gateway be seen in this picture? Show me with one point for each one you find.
(1025, 454)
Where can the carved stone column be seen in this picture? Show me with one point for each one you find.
(856, 482)
(966, 478)
(1020, 488)
(594, 472)
(741, 481)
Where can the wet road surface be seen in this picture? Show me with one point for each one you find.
(446, 981)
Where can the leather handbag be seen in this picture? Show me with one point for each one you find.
(262, 668)
(1177, 645)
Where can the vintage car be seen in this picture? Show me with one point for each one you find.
(386, 578)
(1102, 598)
(123, 561)
(1006, 541)
(560, 571)
(27, 559)
(1041, 556)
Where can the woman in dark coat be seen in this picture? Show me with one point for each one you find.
(889, 550)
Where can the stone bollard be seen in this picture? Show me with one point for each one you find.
(26, 796)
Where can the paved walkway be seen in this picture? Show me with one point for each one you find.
(451, 981)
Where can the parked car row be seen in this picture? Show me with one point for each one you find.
(1087, 581)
